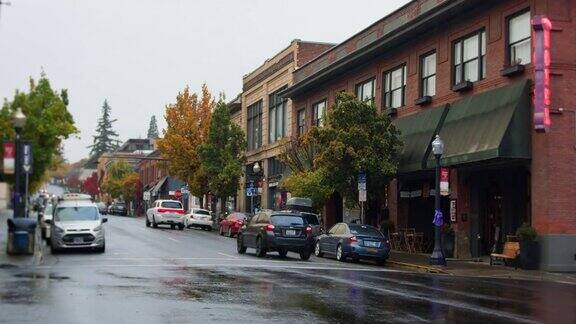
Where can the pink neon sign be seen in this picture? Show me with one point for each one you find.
(541, 27)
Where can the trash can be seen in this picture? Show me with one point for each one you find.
(21, 236)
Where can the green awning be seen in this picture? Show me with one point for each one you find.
(418, 131)
(490, 125)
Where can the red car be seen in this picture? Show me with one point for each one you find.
(231, 225)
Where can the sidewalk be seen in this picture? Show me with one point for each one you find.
(9, 261)
(466, 268)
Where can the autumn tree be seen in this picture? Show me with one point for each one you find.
(48, 124)
(113, 183)
(90, 185)
(153, 129)
(106, 139)
(221, 154)
(187, 126)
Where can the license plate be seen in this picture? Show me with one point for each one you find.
(372, 244)
(78, 240)
(291, 232)
(372, 250)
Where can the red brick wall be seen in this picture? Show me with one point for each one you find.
(554, 154)
(306, 52)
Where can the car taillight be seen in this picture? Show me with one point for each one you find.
(308, 230)
(181, 212)
(269, 228)
(353, 239)
(162, 210)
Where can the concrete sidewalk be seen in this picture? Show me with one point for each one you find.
(8, 261)
(468, 268)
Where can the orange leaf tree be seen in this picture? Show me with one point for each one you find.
(188, 120)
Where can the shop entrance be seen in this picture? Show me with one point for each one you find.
(492, 229)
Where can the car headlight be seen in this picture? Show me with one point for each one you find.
(58, 230)
(98, 228)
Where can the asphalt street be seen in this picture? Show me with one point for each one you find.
(168, 276)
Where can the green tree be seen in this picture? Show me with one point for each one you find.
(221, 155)
(106, 139)
(115, 180)
(48, 123)
(153, 129)
(355, 139)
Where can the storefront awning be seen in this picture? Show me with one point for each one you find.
(158, 186)
(418, 130)
(490, 125)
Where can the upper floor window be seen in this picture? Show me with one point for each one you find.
(301, 122)
(276, 116)
(275, 167)
(319, 112)
(470, 58)
(365, 91)
(395, 87)
(254, 126)
(519, 45)
(428, 75)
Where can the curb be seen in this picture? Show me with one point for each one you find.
(428, 269)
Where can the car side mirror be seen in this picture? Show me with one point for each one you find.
(104, 220)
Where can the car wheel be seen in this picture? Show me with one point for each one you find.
(240, 245)
(380, 262)
(283, 253)
(172, 226)
(317, 250)
(221, 230)
(260, 251)
(147, 222)
(229, 234)
(154, 224)
(102, 249)
(181, 227)
(305, 255)
(340, 254)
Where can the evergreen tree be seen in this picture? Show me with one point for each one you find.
(153, 129)
(106, 139)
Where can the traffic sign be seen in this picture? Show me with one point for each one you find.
(251, 190)
(362, 195)
(362, 181)
(178, 193)
(27, 158)
(146, 195)
(9, 153)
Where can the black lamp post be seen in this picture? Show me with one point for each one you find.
(437, 257)
(256, 169)
(18, 121)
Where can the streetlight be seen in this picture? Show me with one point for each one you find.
(437, 257)
(18, 121)
(256, 170)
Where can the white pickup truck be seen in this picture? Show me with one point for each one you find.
(169, 212)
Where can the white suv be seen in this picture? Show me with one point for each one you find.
(199, 218)
(168, 212)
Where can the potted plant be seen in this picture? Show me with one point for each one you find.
(529, 248)
(448, 240)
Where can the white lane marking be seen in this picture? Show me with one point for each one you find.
(173, 239)
(228, 255)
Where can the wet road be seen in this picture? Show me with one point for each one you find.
(164, 276)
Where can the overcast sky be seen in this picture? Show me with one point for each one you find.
(139, 53)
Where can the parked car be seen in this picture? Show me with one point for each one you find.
(46, 217)
(232, 224)
(168, 212)
(118, 208)
(77, 224)
(304, 206)
(355, 241)
(199, 217)
(102, 208)
(282, 232)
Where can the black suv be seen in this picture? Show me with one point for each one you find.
(118, 208)
(277, 231)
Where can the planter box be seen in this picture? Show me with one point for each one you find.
(448, 243)
(529, 255)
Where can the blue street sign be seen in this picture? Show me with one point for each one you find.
(362, 181)
(251, 190)
(27, 158)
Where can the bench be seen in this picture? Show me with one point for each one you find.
(510, 252)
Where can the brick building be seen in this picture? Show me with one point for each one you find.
(265, 118)
(475, 73)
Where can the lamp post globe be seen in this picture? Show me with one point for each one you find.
(256, 168)
(18, 119)
(438, 146)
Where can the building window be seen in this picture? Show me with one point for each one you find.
(301, 122)
(275, 167)
(277, 116)
(470, 58)
(428, 75)
(365, 91)
(395, 87)
(254, 126)
(319, 113)
(519, 45)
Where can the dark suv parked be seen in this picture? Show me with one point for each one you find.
(118, 208)
(282, 232)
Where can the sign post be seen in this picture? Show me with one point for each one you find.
(362, 194)
(27, 169)
(250, 192)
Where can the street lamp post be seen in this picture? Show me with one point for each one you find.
(256, 170)
(18, 121)
(437, 257)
